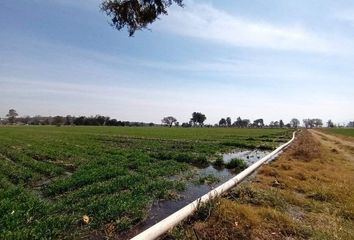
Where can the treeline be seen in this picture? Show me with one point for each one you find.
(97, 120)
(197, 120)
(351, 124)
(258, 123)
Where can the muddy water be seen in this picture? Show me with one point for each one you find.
(163, 209)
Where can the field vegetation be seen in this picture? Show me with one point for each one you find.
(341, 131)
(69, 182)
(307, 193)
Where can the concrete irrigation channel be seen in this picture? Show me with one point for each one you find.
(169, 222)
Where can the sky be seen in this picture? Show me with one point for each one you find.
(274, 59)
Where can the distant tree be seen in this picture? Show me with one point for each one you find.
(135, 14)
(350, 124)
(198, 118)
(186, 124)
(222, 122)
(169, 121)
(69, 120)
(241, 123)
(258, 123)
(80, 120)
(26, 120)
(100, 120)
(330, 124)
(307, 123)
(46, 121)
(317, 122)
(281, 124)
(294, 123)
(228, 121)
(58, 121)
(245, 123)
(271, 124)
(11, 116)
(311, 123)
(35, 120)
(238, 122)
(112, 122)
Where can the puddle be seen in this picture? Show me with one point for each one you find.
(250, 156)
(163, 209)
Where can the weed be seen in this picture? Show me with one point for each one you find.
(208, 179)
(219, 162)
(236, 163)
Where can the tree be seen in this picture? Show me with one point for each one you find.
(245, 123)
(271, 124)
(330, 124)
(308, 123)
(169, 121)
(198, 118)
(317, 122)
(26, 120)
(36, 120)
(58, 121)
(276, 124)
(185, 125)
(294, 123)
(80, 120)
(112, 122)
(228, 121)
(135, 14)
(241, 123)
(69, 120)
(238, 122)
(100, 120)
(11, 116)
(281, 124)
(258, 122)
(222, 122)
(311, 123)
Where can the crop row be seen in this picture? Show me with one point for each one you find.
(51, 177)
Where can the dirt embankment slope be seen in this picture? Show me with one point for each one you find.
(308, 193)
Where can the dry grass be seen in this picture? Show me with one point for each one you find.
(308, 193)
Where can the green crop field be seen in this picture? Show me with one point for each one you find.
(342, 131)
(50, 177)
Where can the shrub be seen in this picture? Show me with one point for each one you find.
(237, 163)
(219, 162)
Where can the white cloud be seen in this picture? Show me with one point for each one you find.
(208, 23)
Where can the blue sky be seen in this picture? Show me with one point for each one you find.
(270, 59)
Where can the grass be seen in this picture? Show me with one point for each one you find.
(53, 177)
(307, 193)
(349, 132)
(236, 163)
(207, 179)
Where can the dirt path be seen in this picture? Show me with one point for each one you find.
(348, 142)
(343, 145)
